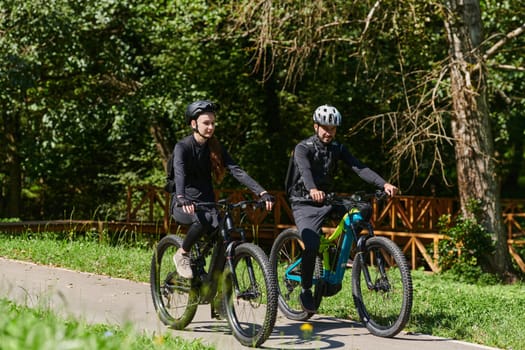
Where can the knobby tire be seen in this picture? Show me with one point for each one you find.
(286, 249)
(252, 310)
(384, 309)
(174, 298)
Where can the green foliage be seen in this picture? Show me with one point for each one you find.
(39, 328)
(506, 86)
(10, 220)
(91, 91)
(467, 252)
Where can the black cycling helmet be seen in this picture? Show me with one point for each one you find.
(196, 108)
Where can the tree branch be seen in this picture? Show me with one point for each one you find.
(494, 49)
(369, 17)
(508, 67)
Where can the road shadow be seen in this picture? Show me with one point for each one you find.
(322, 332)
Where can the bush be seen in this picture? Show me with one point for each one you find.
(469, 248)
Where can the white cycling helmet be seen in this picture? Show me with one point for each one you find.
(327, 115)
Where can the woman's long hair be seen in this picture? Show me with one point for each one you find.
(217, 165)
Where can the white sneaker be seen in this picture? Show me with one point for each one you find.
(182, 263)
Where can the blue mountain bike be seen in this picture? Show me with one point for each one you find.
(381, 279)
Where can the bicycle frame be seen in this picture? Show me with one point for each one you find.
(348, 229)
(381, 280)
(239, 285)
(222, 254)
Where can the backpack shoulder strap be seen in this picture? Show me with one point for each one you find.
(170, 176)
(290, 178)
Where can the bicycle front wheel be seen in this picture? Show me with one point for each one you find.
(173, 296)
(250, 295)
(285, 258)
(385, 304)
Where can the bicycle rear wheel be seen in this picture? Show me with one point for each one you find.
(284, 261)
(385, 306)
(250, 302)
(173, 296)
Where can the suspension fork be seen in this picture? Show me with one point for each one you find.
(230, 253)
(361, 251)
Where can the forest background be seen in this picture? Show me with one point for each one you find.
(92, 93)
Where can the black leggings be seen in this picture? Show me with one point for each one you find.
(200, 223)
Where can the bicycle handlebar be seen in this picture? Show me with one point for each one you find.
(356, 197)
(362, 196)
(226, 204)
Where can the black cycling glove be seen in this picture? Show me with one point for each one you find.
(183, 201)
(266, 197)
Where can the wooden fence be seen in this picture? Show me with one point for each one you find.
(410, 221)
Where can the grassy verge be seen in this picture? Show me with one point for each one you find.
(491, 315)
(35, 329)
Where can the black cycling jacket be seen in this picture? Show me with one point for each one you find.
(316, 163)
(192, 165)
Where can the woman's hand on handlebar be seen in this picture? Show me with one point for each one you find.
(186, 204)
(268, 199)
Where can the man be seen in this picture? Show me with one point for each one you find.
(315, 162)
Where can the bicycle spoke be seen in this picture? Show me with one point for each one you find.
(286, 251)
(250, 296)
(384, 301)
(173, 296)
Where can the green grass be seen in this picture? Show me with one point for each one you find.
(127, 261)
(38, 328)
(491, 315)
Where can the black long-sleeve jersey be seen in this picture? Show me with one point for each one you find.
(316, 164)
(192, 166)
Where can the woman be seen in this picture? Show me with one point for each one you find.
(197, 159)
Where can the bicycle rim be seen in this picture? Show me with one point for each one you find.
(286, 251)
(385, 308)
(173, 296)
(251, 308)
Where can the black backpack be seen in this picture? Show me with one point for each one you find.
(292, 175)
(291, 180)
(170, 176)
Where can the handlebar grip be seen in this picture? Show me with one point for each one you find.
(381, 195)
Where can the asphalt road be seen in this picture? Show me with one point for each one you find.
(102, 299)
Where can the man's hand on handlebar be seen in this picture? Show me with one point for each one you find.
(390, 189)
(317, 196)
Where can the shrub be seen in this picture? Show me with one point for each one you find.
(469, 248)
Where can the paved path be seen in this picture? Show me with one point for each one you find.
(102, 299)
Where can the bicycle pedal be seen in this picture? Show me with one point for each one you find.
(216, 314)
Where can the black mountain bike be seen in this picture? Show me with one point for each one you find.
(233, 276)
(381, 279)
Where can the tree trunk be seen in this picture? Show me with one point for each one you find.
(161, 143)
(471, 128)
(12, 165)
